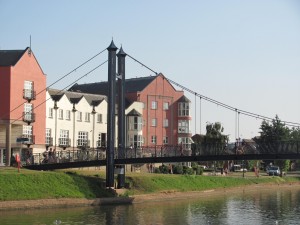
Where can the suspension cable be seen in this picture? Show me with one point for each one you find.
(195, 113)
(60, 91)
(200, 105)
(74, 70)
(254, 115)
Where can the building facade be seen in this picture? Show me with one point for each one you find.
(34, 118)
(75, 120)
(165, 117)
(22, 110)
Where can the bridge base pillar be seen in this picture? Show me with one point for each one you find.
(121, 176)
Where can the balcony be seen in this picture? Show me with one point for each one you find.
(29, 117)
(49, 141)
(83, 143)
(29, 94)
(26, 139)
(64, 142)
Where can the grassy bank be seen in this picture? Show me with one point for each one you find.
(43, 185)
(153, 183)
(89, 183)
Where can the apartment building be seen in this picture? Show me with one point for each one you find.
(34, 118)
(165, 118)
(22, 114)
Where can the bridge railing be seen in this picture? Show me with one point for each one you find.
(154, 151)
(68, 156)
(275, 147)
(279, 147)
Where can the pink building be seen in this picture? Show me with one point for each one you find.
(22, 112)
(166, 111)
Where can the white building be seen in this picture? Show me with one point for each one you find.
(78, 120)
(75, 120)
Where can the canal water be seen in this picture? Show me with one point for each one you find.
(279, 205)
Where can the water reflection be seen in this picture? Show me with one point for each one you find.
(272, 206)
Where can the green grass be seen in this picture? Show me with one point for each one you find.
(43, 185)
(89, 183)
(158, 183)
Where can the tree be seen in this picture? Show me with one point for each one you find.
(274, 131)
(295, 134)
(214, 133)
(213, 142)
(271, 136)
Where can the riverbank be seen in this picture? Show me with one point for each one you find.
(138, 199)
(40, 189)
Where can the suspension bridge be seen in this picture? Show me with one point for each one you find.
(111, 157)
(168, 154)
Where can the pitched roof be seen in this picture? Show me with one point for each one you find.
(75, 97)
(11, 57)
(133, 112)
(184, 99)
(131, 85)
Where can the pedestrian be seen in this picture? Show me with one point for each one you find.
(50, 155)
(170, 169)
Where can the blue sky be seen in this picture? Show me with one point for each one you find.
(245, 54)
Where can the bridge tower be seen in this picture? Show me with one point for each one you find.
(111, 115)
(121, 115)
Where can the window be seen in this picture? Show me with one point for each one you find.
(27, 132)
(183, 109)
(28, 89)
(48, 136)
(50, 112)
(79, 116)
(28, 116)
(153, 139)
(82, 138)
(28, 85)
(185, 142)
(154, 105)
(154, 122)
(101, 140)
(184, 126)
(165, 140)
(135, 123)
(137, 140)
(166, 123)
(68, 115)
(166, 106)
(64, 138)
(87, 117)
(60, 114)
(99, 118)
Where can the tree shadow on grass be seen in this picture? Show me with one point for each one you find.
(91, 187)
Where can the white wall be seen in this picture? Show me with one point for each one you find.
(74, 127)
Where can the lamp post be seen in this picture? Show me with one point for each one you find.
(74, 111)
(93, 133)
(55, 134)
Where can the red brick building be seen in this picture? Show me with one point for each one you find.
(166, 111)
(22, 91)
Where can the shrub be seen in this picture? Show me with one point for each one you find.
(188, 170)
(164, 169)
(157, 170)
(178, 169)
(199, 170)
